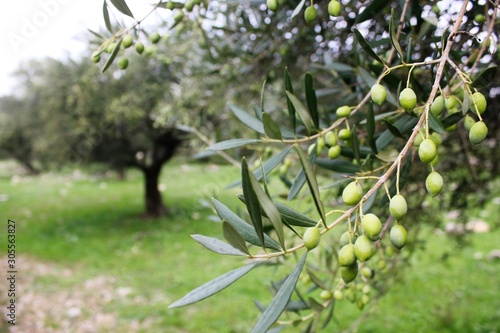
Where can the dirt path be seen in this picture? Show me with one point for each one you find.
(46, 308)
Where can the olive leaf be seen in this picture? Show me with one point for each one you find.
(302, 111)
(291, 108)
(371, 10)
(370, 129)
(313, 185)
(121, 5)
(366, 47)
(484, 78)
(243, 228)
(112, 56)
(252, 201)
(393, 36)
(232, 143)
(217, 246)
(105, 13)
(214, 286)
(271, 127)
(247, 119)
(311, 100)
(233, 237)
(280, 300)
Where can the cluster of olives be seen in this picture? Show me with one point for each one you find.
(128, 40)
(310, 13)
(358, 293)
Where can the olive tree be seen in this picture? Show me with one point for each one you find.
(397, 100)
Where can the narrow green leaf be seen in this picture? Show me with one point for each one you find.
(370, 129)
(452, 119)
(112, 56)
(270, 127)
(233, 143)
(316, 280)
(465, 103)
(355, 144)
(291, 108)
(251, 201)
(312, 102)
(484, 78)
(267, 206)
(233, 237)
(243, 228)
(366, 47)
(212, 287)
(300, 178)
(280, 300)
(435, 124)
(393, 129)
(394, 39)
(375, 7)
(293, 217)
(121, 5)
(105, 13)
(96, 34)
(313, 184)
(268, 166)
(315, 306)
(247, 119)
(302, 111)
(262, 96)
(298, 9)
(339, 166)
(217, 246)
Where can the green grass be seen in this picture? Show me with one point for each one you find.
(93, 225)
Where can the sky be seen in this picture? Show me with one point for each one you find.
(35, 29)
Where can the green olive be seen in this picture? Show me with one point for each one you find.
(398, 207)
(349, 273)
(398, 236)
(480, 102)
(434, 183)
(334, 8)
(123, 63)
(478, 132)
(352, 193)
(437, 106)
(334, 151)
(272, 5)
(310, 14)
(427, 151)
(127, 41)
(343, 111)
(364, 248)
(155, 38)
(346, 255)
(371, 225)
(378, 94)
(311, 238)
(408, 99)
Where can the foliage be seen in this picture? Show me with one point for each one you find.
(420, 53)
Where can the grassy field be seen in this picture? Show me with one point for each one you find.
(88, 234)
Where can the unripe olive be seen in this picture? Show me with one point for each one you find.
(468, 122)
(325, 295)
(437, 106)
(349, 273)
(155, 38)
(311, 238)
(139, 47)
(170, 5)
(189, 6)
(371, 225)
(110, 47)
(320, 144)
(480, 102)
(367, 272)
(123, 63)
(127, 41)
(347, 238)
(352, 193)
(331, 138)
(366, 289)
(345, 134)
(398, 206)
(96, 56)
(436, 138)
(364, 248)
(272, 5)
(427, 151)
(434, 183)
(365, 299)
(479, 18)
(346, 255)
(343, 111)
(334, 152)
(310, 14)
(418, 140)
(338, 295)
(450, 102)
(407, 99)
(478, 132)
(334, 8)
(178, 16)
(398, 236)
(378, 93)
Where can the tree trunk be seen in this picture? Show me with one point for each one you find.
(154, 201)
